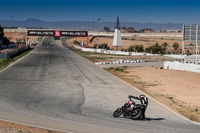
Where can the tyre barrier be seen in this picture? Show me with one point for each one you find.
(119, 62)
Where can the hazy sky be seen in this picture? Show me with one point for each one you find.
(159, 11)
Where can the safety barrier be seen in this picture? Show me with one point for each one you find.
(175, 65)
(121, 61)
(13, 52)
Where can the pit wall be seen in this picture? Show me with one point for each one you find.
(175, 65)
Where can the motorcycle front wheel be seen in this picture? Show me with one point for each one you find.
(117, 112)
(136, 114)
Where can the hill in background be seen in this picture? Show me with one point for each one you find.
(88, 25)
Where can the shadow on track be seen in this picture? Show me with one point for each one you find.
(147, 119)
(154, 119)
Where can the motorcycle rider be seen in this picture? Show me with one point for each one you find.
(143, 99)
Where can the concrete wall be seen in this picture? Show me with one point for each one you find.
(181, 66)
(138, 34)
(176, 56)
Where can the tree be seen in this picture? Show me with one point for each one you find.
(165, 44)
(155, 49)
(1, 33)
(106, 28)
(175, 46)
(6, 41)
(131, 28)
(138, 48)
(124, 27)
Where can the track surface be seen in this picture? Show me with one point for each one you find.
(54, 88)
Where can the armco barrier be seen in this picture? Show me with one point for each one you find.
(181, 66)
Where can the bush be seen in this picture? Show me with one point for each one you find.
(124, 38)
(175, 46)
(155, 49)
(110, 68)
(188, 52)
(103, 46)
(76, 42)
(119, 69)
(3, 62)
(138, 48)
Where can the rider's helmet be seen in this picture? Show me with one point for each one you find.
(143, 99)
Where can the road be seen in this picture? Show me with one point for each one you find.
(54, 88)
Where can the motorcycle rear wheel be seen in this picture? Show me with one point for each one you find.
(117, 112)
(137, 114)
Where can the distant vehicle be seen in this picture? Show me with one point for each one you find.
(33, 44)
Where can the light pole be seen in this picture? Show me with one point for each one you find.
(98, 20)
(10, 23)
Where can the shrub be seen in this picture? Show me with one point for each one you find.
(119, 69)
(76, 42)
(138, 48)
(3, 62)
(103, 46)
(175, 46)
(188, 52)
(110, 68)
(155, 49)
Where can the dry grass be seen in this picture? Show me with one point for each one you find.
(145, 41)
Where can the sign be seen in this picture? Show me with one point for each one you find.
(57, 33)
(191, 33)
(40, 33)
(74, 33)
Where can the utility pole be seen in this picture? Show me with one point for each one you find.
(98, 20)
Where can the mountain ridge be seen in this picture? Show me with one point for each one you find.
(88, 25)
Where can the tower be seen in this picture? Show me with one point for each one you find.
(117, 24)
(117, 41)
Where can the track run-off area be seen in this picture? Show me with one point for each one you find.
(54, 88)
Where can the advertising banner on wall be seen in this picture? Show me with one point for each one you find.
(41, 33)
(74, 33)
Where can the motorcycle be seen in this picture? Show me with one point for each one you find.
(132, 110)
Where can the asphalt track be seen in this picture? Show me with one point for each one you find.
(54, 88)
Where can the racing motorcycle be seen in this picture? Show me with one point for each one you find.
(132, 110)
